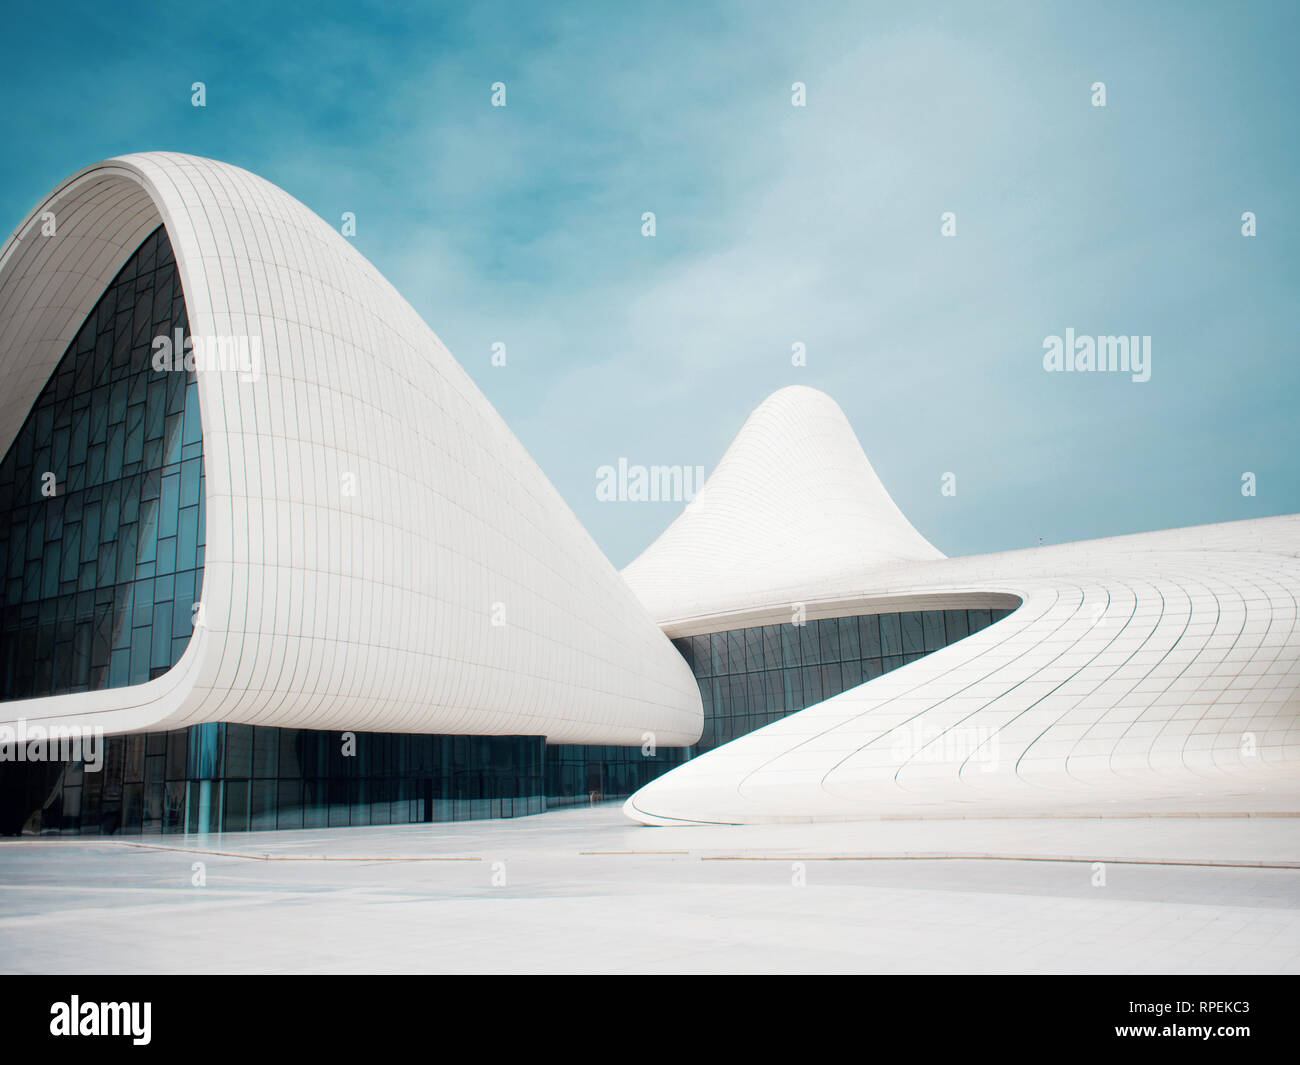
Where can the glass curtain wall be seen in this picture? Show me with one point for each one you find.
(101, 501)
(749, 678)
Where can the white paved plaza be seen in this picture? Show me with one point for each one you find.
(587, 891)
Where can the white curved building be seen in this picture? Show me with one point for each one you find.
(376, 551)
(1127, 675)
(314, 579)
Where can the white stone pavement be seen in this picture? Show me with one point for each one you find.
(586, 891)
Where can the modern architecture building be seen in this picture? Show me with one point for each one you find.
(1118, 676)
(251, 503)
(262, 534)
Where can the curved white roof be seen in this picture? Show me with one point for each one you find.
(791, 511)
(1137, 671)
(324, 609)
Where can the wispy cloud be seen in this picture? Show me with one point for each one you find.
(777, 224)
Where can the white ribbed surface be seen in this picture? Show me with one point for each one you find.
(791, 511)
(1139, 670)
(322, 610)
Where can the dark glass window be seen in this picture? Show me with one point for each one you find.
(850, 649)
(755, 698)
(828, 636)
(869, 632)
(266, 753)
(891, 635)
(794, 689)
(812, 685)
(234, 813)
(831, 680)
(239, 751)
(687, 650)
(703, 657)
(736, 690)
(852, 673)
(93, 595)
(809, 645)
(771, 646)
(774, 704)
(789, 646)
(955, 625)
(736, 651)
(932, 629)
(718, 651)
(913, 640)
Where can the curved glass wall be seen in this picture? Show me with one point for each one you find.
(101, 501)
(749, 678)
(235, 778)
(577, 774)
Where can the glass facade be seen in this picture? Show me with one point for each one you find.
(575, 772)
(234, 778)
(101, 501)
(749, 678)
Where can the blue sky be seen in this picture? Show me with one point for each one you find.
(775, 224)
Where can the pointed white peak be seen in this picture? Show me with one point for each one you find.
(792, 510)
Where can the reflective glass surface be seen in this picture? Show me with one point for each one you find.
(749, 678)
(101, 501)
(577, 774)
(236, 778)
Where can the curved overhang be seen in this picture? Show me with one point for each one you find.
(1137, 672)
(844, 606)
